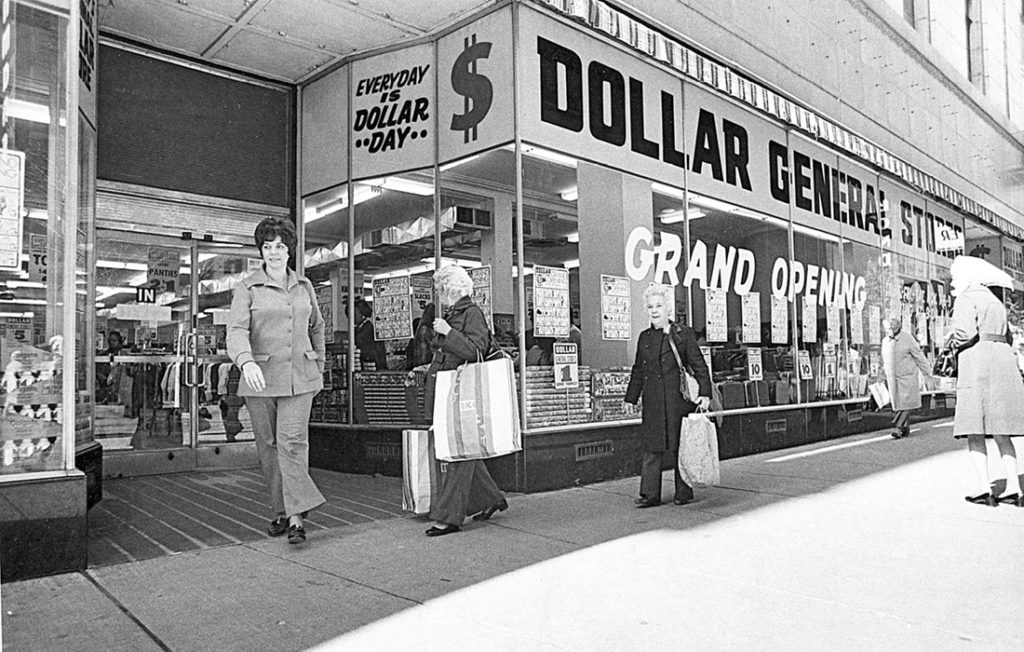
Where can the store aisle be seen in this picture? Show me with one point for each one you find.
(152, 516)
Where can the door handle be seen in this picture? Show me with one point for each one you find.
(191, 359)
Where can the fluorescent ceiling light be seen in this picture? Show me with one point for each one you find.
(34, 302)
(455, 164)
(26, 284)
(713, 204)
(447, 260)
(572, 194)
(573, 237)
(673, 216)
(113, 264)
(360, 194)
(23, 315)
(545, 155)
(38, 214)
(399, 184)
(572, 264)
(105, 292)
(30, 111)
(667, 191)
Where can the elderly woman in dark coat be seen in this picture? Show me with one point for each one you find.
(655, 377)
(989, 390)
(461, 336)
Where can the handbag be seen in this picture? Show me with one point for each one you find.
(946, 362)
(476, 413)
(688, 385)
(698, 451)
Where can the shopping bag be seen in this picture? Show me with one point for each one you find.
(880, 393)
(475, 411)
(421, 471)
(698, 451)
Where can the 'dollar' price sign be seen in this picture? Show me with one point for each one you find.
(392, 308)
(550, 301)
(482, 292)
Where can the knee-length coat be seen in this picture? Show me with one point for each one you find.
(902, 358)
(655, 378)
(989, 389)
(468, 341)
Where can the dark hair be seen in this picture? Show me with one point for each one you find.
(272, 227)
(120, 338)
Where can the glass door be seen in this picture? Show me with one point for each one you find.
(166, 392)
(221, 422)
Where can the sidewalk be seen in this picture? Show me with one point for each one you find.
(861, 543)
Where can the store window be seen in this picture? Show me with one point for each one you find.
(32, 240)
(741, 285)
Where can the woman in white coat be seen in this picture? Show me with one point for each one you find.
(902, 358)
(989, 389)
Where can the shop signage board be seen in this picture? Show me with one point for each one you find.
(475, 111)
(325, 301)
(615, 308)
(780, 320)
(809, 314)
(393, 112)
(913, 222)
(88, 40)
(392, 308)
(717, 316)
(12, 196)
(857, 203)
(566, 363)
(751, 317)
(482, 292)
(147, 312)
(755, 370)
(162, 269)
(37, 263)
(551, 301)
(422, 293)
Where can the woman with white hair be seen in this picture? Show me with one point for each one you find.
(655, 377)
(461, 336)
(989, 389)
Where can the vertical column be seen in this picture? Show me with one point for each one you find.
(611, 205)
(496, 248)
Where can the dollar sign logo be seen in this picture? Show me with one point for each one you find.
(475, 89)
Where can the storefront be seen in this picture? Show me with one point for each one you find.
(570, 161)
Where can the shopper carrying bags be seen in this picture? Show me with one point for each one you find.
(902, 359)
(461, 336)
(275, 336)
(655, 378)
(989, 389)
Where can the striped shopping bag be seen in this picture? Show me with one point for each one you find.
(475, 411)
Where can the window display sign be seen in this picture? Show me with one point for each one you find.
(325, 300)
(615, 308)
(566, 365)
(752, 317)
(810, 320)
(832, 323)
(392, 308)
(804, 359)
(551, 301)
(755, 370)
(856, 326)
(12, 194)
(17, 329)
(148, 312)
(474, 63)
(37, 258)
(874, 324)
(31, 392)
(392, 104)
(482, 292)
(422, 293)
(162, 269)
(780, 320)
(717, 316)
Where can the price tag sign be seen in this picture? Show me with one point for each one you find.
(566, 365)
(754, 368)
(805, 365)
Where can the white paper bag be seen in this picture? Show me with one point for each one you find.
(698, 451)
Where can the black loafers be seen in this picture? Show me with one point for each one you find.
(646, 502)
(1012, 499)
(489, 512)
(441, 531)
(296, 534)
(983, 499)
(681, 501)
(278, 526)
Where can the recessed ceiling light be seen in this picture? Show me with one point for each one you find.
(280, 33)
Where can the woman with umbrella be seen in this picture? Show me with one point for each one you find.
(989, 389)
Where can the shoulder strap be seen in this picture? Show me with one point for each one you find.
(675, 351)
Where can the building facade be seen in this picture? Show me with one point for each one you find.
(795, 174)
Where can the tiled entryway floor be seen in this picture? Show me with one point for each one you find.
(151, 516)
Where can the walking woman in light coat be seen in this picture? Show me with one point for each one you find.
(902, 358)
(276, 338)
(989, 389)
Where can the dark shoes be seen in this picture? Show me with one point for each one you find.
(646, 502)
(983, 499)
(489, 512)
(901, 433)
(1012, 499)
(441, 531)
(278, 526)
(296, 534)
(681, 501)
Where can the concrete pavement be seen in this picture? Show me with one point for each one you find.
(861, 543)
